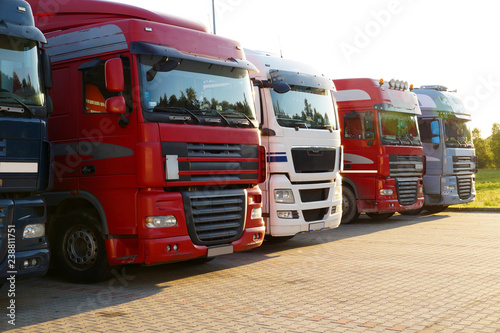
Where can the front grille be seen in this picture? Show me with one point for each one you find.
(214, 162)
(215, 217)
(317, 194)
(314, 214)
(464, 186)
(463, 164)
(405, 165)
(313, 159)
(407, 189)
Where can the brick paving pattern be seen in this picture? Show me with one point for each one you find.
(426, 273)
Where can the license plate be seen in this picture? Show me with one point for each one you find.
(316, 226)
(219, 250)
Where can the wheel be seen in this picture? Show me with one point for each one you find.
(379, 216)
(349, 207)
(80, 250)
(412, 211)
(277, 239)
(435, 209)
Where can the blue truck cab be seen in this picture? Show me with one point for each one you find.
(446, 136)
(25, 153)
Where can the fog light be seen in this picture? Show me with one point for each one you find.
(176, 247)
(34, 262)
(160, 221)
(26, 263)
(256, 213)
(386, 191)
(169, 248)
(34, 230)
(283, 196)
(285, 214)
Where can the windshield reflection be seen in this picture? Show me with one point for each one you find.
(195, 92)
(457, 133)
(19, 76)
(399, 128)
(304, 107)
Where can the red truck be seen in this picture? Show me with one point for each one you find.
(157, 150)
(383, 155)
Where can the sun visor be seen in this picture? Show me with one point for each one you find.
(170, 52)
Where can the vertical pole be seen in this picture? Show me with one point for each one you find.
(213, 14)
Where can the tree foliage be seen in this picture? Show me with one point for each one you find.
(487, 150)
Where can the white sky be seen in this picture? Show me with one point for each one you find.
(452, 43)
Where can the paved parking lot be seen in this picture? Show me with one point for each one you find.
(435, 273)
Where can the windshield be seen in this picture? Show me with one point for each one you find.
(195, 92)
(19, 76)
(398, 128)
(304, 107)
(457, 133)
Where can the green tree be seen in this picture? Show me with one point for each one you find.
(483, 151)
(495, 144)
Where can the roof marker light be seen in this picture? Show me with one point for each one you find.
(381, 82)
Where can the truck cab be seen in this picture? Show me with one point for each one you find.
(157, 150)
(447, 141)
(383, 155)
(299, 127)
(25, 153)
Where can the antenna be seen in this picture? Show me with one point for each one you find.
(279, 43)
(213, 13)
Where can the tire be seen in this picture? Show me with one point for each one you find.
(379, 216)
(80, 250)
(435, 209)
(412, 211)
(349, 207)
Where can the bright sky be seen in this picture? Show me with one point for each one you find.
(446, 42)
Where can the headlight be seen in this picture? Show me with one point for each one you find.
(160, 221)
(34, 230)
(256, 213)
(449, 188)
(338, 192)
(283, 196)
(386, 191)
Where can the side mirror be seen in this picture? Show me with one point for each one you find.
(47, 70)
(435, 141)
(115, 81)
(116, 105)
(435, 128)
(281, 87)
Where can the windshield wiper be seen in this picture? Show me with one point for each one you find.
(177, 108)
(297, 123)
(241, 114)
(9, 95)
(218, 113)
(328, 127)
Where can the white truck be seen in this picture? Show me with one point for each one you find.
(299, 127)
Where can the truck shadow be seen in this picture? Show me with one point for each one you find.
(364, 225)
(51, 298)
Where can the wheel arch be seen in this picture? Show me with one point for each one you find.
(346, 182)
(62, 203)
